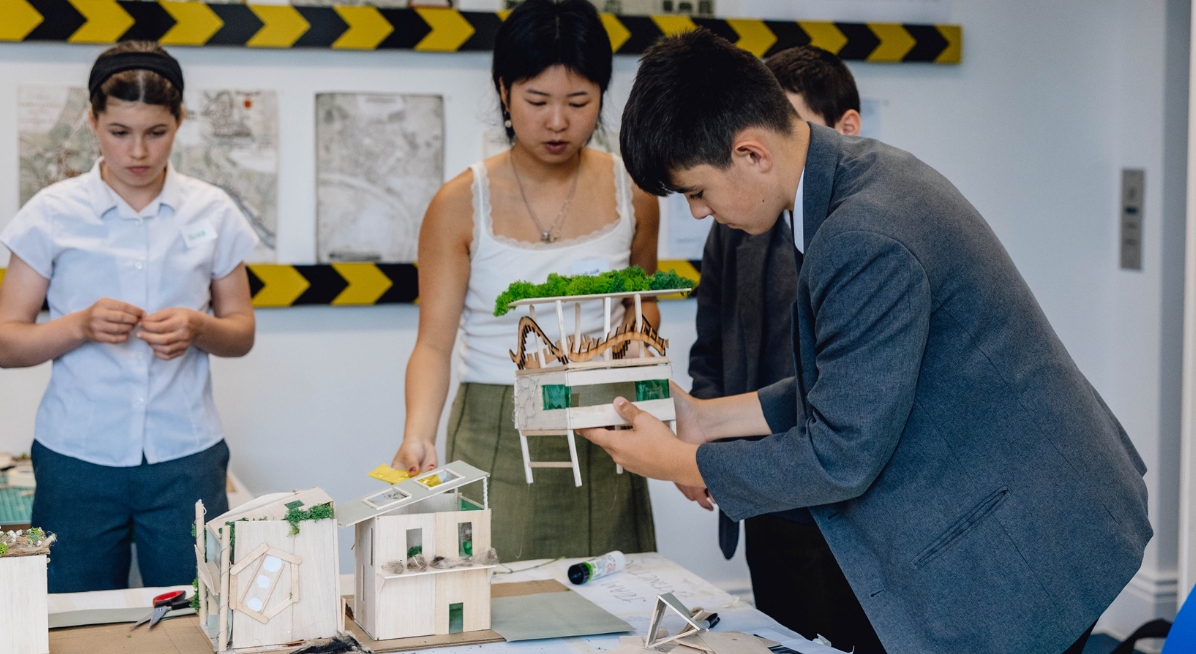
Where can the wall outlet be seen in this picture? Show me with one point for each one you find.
(1133, 190)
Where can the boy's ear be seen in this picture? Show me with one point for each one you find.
(751, 146)
(849, 123)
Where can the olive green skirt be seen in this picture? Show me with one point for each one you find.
(551, 517)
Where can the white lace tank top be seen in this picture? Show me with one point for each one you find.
(496, 261)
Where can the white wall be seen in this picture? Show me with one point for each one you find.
(1052, 100)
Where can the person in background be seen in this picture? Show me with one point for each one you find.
(143, 271)
(548, 205)
(743, 323)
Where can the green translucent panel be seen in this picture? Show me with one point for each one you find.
(415, 542)
(468, 505)
(652, 389)
(465, 539)
(556, 396)
(456, 618)
(559, 396)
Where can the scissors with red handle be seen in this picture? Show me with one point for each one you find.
(164, 604)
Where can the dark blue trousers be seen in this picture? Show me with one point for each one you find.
(97, 512)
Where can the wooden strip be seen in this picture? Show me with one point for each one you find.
(285, 556)
(201, 567)
(249, 559)
(226, 549)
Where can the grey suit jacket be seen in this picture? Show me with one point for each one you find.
(975, 489)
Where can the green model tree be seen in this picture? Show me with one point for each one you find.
(630, 279)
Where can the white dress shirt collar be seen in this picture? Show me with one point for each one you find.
(797, 217)
(104, 198)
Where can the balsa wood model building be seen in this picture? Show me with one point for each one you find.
(570, 383)
(423, 556)
(268, 572)
(24, 612)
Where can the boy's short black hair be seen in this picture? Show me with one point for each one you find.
(693, 94)
(821, 78)
(540, 34)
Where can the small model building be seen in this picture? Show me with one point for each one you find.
(570, 383)
(268, 572)
(423, 556)
(24, 621)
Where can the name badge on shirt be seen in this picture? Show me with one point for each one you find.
(591, 267)
(200, 231)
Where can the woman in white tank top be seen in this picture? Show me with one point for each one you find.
(549, 204)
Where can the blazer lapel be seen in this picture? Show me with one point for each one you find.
(822, 159)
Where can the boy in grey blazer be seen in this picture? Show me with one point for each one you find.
(975, 489)
(743, 320)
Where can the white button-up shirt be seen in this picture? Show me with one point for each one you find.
(797, 219)
(109, 403)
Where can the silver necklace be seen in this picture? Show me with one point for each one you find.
(547, 235)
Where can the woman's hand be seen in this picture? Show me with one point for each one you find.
(109, 321)
(415, 456)
(170, 332)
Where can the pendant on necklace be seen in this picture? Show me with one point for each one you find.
(547, 237)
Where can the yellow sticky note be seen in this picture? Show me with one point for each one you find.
(389, 474)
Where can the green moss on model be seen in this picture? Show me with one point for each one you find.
(627, 280)
(297, 515)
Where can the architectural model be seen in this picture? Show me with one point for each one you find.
(423, 555)
(24, 621)
(570, 383)
(268, 572)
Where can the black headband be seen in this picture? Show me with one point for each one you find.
(158, 62)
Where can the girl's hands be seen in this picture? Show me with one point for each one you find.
(109, 321)
(415, 456)
(170, 332)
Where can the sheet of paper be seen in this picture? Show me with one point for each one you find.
(551, 615)
(129, 598)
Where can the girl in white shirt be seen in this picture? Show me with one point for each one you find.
(143, 271)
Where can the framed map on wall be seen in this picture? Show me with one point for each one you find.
(379, 161)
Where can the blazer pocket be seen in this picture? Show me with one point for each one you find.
(962, 527)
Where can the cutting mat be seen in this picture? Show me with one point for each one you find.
(16, 504)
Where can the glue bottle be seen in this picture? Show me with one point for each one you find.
(609, 563)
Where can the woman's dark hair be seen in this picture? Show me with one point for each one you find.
(693, 94)
(138, 85)
(821, 78)
(540, 34)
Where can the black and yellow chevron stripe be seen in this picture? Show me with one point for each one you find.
(184, 23)
(357, 284)
(337, 284)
